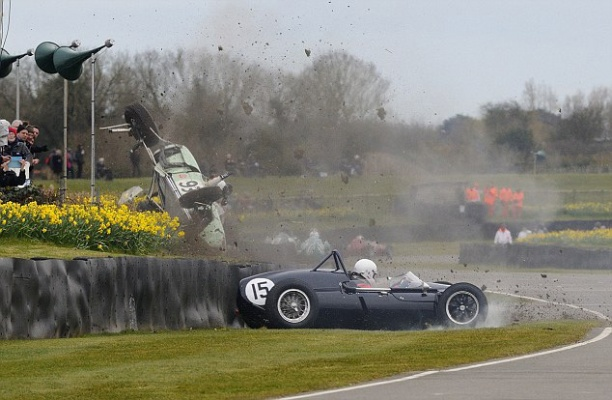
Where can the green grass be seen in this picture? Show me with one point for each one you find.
(229, 364)
(573, 187)
(29, 248)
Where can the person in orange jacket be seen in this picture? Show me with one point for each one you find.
(472, 193)
(490, 197)
(505, 197)
(518, 198)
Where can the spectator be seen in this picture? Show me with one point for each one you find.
(31, 138)
(314, 245)
(69, 164)
(518, 198)
(541, 229)
(4, 131)
(16, 123)
(102, 171)
(503, 235)
(490, 197)
(230, 164)
(523, 233)
(22, 133)
(17, 148)
(56, 163)
(29, 142)
(10, 178)
(472, 194)
(505, 197)
(79, 160)
(135, 161)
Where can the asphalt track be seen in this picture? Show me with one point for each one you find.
(579, 371)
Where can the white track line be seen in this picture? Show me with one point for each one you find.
(604, 334)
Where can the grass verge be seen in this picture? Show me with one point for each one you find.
(28, 248)
(228, 364)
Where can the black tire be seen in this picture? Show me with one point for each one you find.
(206, 195)
(292, 304)
(462, 305)
(142, 123)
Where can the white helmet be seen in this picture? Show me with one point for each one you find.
(366, 268)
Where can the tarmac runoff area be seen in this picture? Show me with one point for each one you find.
(570, 372)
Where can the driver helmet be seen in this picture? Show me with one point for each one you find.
(366, 268)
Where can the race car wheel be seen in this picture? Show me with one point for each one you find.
(204, 195)
(462, 305)
(292, 304)
(142, 124)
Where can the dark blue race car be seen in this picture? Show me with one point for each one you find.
(330, 296)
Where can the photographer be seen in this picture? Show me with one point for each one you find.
(10, 178)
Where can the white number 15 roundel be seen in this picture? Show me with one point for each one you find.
(257, 290)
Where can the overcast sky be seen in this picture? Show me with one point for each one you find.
(442, 57)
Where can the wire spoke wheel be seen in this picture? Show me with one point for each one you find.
(293, 306)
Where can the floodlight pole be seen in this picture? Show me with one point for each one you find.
(94, 197)
(65, 158)
(17, 95)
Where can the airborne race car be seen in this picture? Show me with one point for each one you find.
(329, 296)
(178, 185)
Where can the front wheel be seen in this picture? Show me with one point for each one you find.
(292, 304)
(462, 305)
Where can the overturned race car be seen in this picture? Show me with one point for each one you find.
(178, 185)
(330, 296)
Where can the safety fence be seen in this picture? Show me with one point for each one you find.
(50, 298)
(535, 256)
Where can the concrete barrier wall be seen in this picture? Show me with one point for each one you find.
(535, 256)
(57, 298)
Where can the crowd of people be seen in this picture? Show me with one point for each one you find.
(74, 162)
(19, 151)
(508, 202)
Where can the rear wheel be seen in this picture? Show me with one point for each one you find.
(292, 304)
(142, 124)
(462, 305)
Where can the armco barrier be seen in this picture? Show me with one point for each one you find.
(532, 256)
(49, 298)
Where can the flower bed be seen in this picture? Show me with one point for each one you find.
(86, 225)
(594, 238)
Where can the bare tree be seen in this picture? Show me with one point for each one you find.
(539, 97)
(339, 87)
